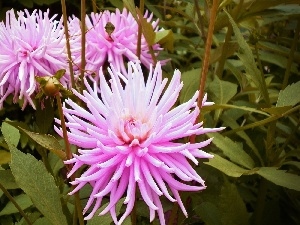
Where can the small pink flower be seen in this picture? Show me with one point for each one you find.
(129, 136)
(31, 45)
(111, 37)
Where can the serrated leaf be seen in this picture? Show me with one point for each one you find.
(4, 157)
(38, 184)
(22, 200)
(191, 83)
(10, 133)
(231, 122)
(247, 58)
(8, 180)
(47, 141)
(226, 166)
(233, 150)
(290, 96)
(277, 110)
(221, 91)
(280, 177)
(232, 207)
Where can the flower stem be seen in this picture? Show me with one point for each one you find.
(15, 204)
(205, 63)
(64, 11)
(63, 126)
(69, 155)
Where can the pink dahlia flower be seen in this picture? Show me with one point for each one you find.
(31, 45)
(128, 141)
(110, 37)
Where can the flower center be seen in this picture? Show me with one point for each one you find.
(133, 131)
(25, 54)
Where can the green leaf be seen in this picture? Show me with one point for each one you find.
(227, 167)
(47, 141)
(4, 157)
(277, 60)
(45, 116)
(147, 29)
(277, 110)
(106, 219)
(10, 133)
(221, 91)
(280, 177)
(165, 39)
(209, 213)
(129, 4)
(22, 200)
(8, 180)
(233, 150)
(191, 83)
(247, 58)
(231, 205)
(38, 184)
(231, 122)
(42, 221)
(290, 96)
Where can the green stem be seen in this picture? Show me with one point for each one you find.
(291, 56)
(8, 195)
(260, 205)
(83, 30)
(64, 11)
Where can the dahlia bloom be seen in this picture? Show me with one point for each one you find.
(31, 45)
(128, 141)
(111, 37)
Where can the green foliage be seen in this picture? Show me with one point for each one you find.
(290, 96)
(280, 177)
(234, 151)
(22, 200)
(47, 141)
(39, 186)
